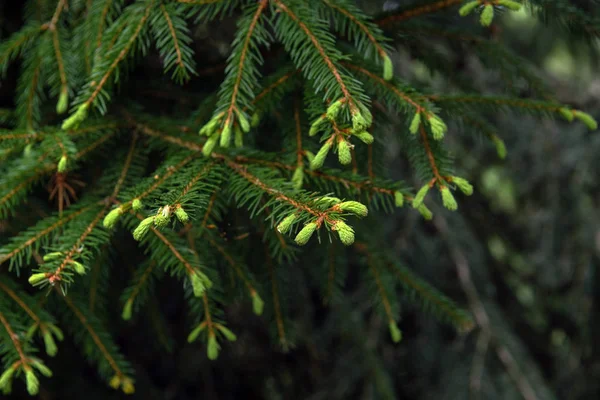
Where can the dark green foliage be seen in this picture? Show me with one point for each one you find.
(258, 185)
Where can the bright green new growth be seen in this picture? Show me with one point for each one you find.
(148, 174)
(62, 164)
(395, 332)
(258, 304)
(113, 216)
(298, 176)
(388, 68)
(212, 349)
(398, 199)
(415, 123)
(344, 153)
(127, 310)
(143, 228)
(77, 118)
(365, 137)
(354, 207)
(513, 5)
(345, 232)
(33, 383)
(418, 200)
(63, 102)
(305, 233)
(319, 159)
(285, 225)
(448, 199)
(181, 215)
(487, 15)
(467, 8)
(438, 127)
(463, 185)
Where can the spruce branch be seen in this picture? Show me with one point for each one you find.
(417, 10)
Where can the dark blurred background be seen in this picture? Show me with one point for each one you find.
(522, 254)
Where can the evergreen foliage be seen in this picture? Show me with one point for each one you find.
(276, 169)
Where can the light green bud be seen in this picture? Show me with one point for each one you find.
(316, 126)
(319, 159)
(354, 207)
(255, 120)
(415, 123)
(587, 119)
(213, 348)
(37, 278)
(127, 310)
(344, 153)
(181, 215)
(49, 344)
(418, 200)
(112, 217)
(463, 185)
(143, 228)
(33, 384)
(285, 225)
(6, 379)
(398, 199)
(127, 387)
(257, 304)
(196, 332)
(364, 137)
(200, 283)
(467, 8)
(42, 368)
(395, 332)
(63, 102)
(334, 109)
(566, 113)
(305, 233)
(298, 177)
(328, 201)
(513, 5)
(62, 164)
(345, 232)
(238, 137)
(210, 144)
(244, 124)
(438, 127)
(226, 135)
(425, 212)
(448, 199)
(487, 15)
(53, 256)
(137, 205)
(78, 267)
(211, 126)
(310, 156)
(227, 333)
(500, 146)
(78, 117)
(359, 121)
(388, 68)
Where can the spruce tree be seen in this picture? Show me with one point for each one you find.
(257, 184)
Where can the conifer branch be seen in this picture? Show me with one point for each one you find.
(13, 295)
(381, 289)
(44, 232)
(276, 302)
(417, 11)
(431, 157)
(100, 85)
(245, 48)
(93, 334)
(14, 337)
